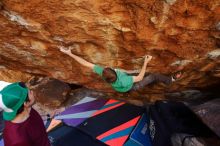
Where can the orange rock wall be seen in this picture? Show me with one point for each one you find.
(177, 33)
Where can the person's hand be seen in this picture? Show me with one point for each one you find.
(147, 58)
(65, 50)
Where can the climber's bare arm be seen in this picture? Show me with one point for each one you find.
(77, 58)
(140, 76)
(130, 71)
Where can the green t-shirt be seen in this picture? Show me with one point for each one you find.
(123, 83)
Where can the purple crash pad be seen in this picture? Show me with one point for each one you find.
(80, 111)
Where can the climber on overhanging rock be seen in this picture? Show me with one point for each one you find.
(120, 80)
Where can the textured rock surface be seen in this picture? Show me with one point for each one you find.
(178, 33)
(50, 92)
(14, 75)
(209, 113)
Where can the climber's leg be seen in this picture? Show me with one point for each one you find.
(152, 78)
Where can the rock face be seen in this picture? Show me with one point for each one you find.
(49, 92)
(209, 113)
(14, 75)
(179, 34)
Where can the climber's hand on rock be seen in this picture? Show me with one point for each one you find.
(148, 58)
(65, 50)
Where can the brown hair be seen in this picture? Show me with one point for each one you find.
(21, 109)
(109, 75)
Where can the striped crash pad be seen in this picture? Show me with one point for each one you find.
(140, 136)
(71, 136)
(113, 123)
(1, 142)
(77, 113)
